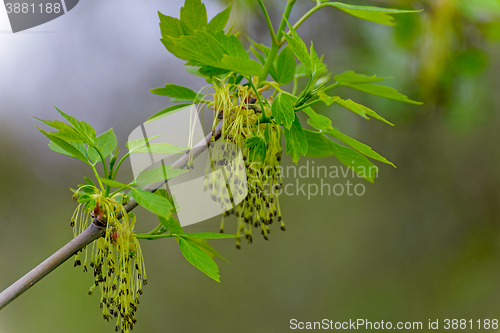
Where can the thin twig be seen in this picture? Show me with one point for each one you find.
(95, 231)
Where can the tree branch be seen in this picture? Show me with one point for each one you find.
(95, 231)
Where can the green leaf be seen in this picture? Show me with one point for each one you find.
(285, 68)
(282, 110)
(350, 105)
(382, 91)
(317, 66)
(170, 29)
(247, 67)
(207, 235)
(219, 22)
(132, 145)
(113, 183)
(202, 47)
(301, 71)
(152, 202)
(351, 77)
(198, 258)
(212, 71)
(66, 146)
(298, 46)
(167, 110)
(175, 91)
(219, 51)
(171, 224)
(89, 181)
(205, 247)
(59, 125)
(156, 175)
(193, 16)
(318, 145)
(160, 147)
(106, 143)
(259, 56)
(370, 13)
(257, 148)
(321, 146)
(78, 145)
(361, 147)
(318, 121)
(81, 127)
(296, 141)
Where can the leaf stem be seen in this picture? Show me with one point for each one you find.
(96, 174)
(155, 231)
(302, 107)
(117, 191)
(152, 237)
(332, 86)
(118, 165)
(263, 117)
(269, 23)
(276, 46)
(305, 17)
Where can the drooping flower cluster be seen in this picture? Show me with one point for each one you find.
(116, 259)
(240, 110)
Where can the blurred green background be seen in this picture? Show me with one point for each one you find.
(422, 243)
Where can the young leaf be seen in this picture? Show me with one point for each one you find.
(202, 47)
(106, 143)
(81, 127)
(370, 13)
(152, 202)
(156, 175)
(198, 258)
(257, 148)
(359, 109)
(382, 91)
(298, 46)
(89, 181)
(318, 121)
(318, 68)
(351, 77)
(59, 125)
(113, 183)
(205, 247)
(321, 146)
(193, 16)
(220, 51)
(209, 71)
(296, 141)
(78, 145)
(175, 91)
(171, 224)
(361, 147)
(132, 145)
(66, 146)
(282, 110)
(247, 67)
(259, 56)
(219, 22)
(285, 68)
(167, 110)
(170, 29)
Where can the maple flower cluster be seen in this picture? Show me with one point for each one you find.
(260, 143)
(116, 259)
